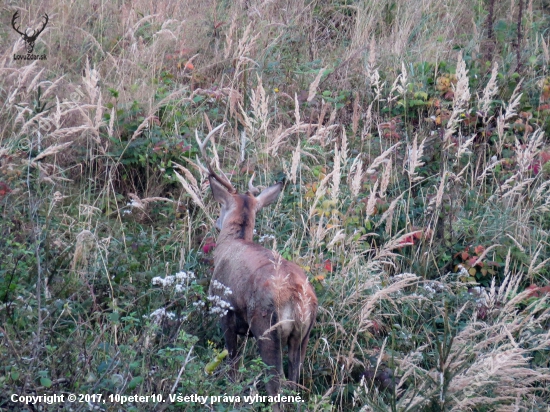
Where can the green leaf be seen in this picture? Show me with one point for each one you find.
(46, 382)
(421, 95)
(135, 382)
(114, 317)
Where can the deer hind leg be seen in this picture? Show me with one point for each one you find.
(229, 329)
(297, 345)
(270, 351)
(269, 346)
(296, 353)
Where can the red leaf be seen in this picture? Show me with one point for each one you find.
(4, 189)
(535, 167)
(408, 240)
(209, 244)
(479, 250)
(533, 290)
(183, 147)
(328, 265)
(376, 327)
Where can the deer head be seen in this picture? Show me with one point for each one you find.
(269, 297)
(238, 211)
(29, 35)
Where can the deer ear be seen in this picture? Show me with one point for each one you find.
(221, 194)
(268, 195)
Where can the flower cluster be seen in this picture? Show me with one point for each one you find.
(266, 237)
(159, 314)
(432, 288)
(179, 281)
(225, 290)
(219, 305)
(462, 271)
(431, 291)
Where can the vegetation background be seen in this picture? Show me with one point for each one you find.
(414, 140)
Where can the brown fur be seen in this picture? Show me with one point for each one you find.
(271, 297)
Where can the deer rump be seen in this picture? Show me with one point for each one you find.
(271, 299)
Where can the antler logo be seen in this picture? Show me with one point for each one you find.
(29, 35)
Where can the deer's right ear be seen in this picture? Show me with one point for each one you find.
(220, 192)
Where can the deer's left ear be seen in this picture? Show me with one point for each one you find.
(268, 195)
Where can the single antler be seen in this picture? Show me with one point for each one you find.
(251, 188)
(35, 34)
(13, 20)
(202, 147)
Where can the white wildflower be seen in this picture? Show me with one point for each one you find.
(181, 276)
(159, 314)
(224, 289)
(179, 281)
(462, 271)
(431, 291)
(219, 305)
(266, 237)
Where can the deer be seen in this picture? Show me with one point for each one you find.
(270, 296)
(29, 35)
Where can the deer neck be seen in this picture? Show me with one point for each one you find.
(236, 230)
(239, 224)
